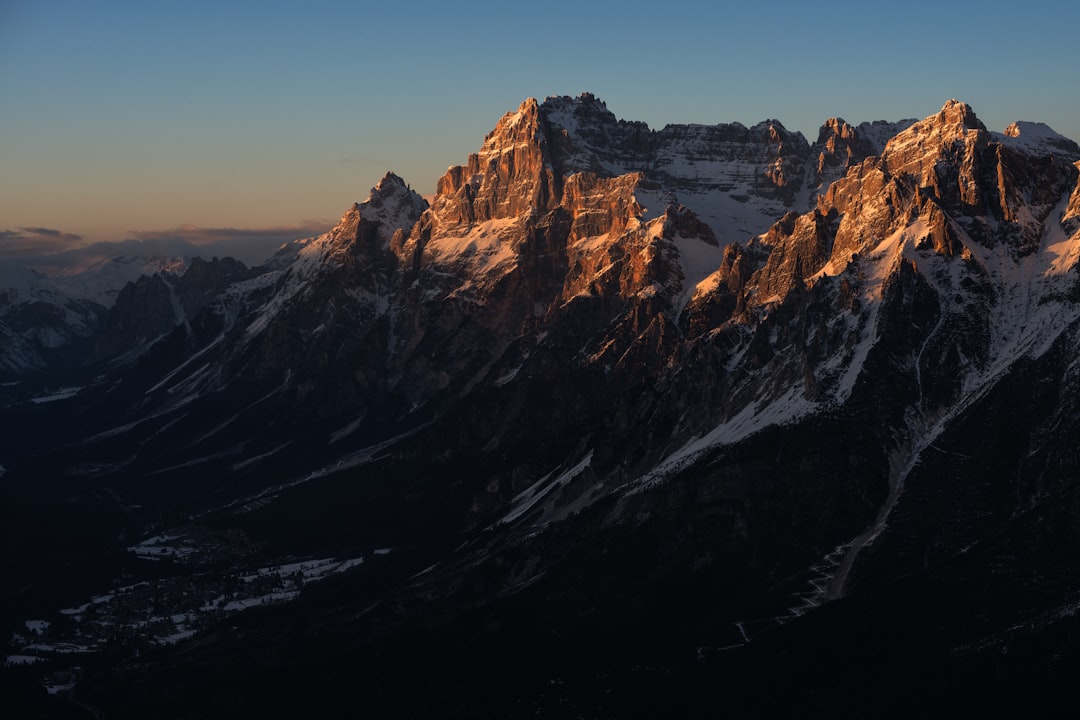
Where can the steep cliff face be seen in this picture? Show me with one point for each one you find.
(1070, 220)
(154, 305)
(511, 174)
(840, 145)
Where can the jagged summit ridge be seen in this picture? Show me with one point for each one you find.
(737, 179)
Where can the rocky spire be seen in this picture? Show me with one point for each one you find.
(955, 112)
(510, 175)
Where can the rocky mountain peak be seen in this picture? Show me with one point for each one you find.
(513, 128)
(835, 128)
(983, 179)
(510, 175)
(775, 130)
(1013, 130)
(955, 112)
(391, 209)
(953, 128)
(948, 154)
(389, 185)
(585, 106)
(587, 137)
(382, 222)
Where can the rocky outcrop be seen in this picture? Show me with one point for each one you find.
(144, 310)
(800, 246)
(839, 146)
(510, 175)
(204, 281)
(983, 179)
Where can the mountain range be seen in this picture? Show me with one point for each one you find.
(621, 422)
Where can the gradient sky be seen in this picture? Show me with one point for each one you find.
(127, 119)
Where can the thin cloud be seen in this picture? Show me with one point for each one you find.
(250, 245)
(50, 233)
(27, 241)
(48, 248)
(205, 236)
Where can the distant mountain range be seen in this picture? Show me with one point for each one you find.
(622, 422)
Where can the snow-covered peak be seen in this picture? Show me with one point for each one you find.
(25, 299)
(97, 278)
(19, 284)
(567, 112)
(392, 204)
(1037, 137)
(100, 278)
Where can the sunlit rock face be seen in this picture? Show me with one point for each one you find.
(841, 145)
(510, 175)
(738, 179)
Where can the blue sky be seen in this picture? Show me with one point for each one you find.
(121, 118)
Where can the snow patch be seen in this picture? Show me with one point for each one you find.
(164, 546)
(18, 660)
(63, 648)
(1035, 138)
(528, 498)
(484, 248)
(61, 394)
(345, 431)
(245, 464)
(699, 262)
